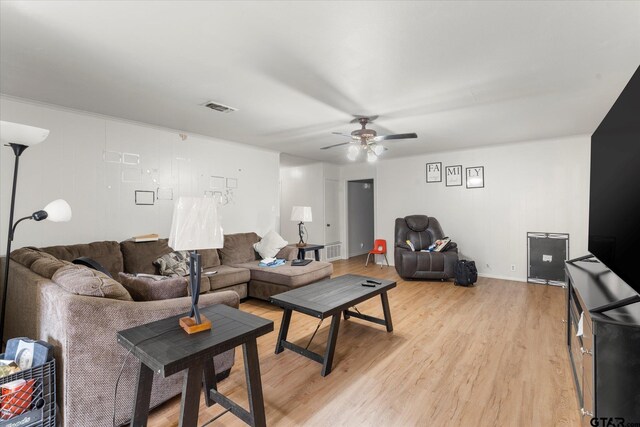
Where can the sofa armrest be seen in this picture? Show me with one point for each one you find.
(288, 252)
(93, 358)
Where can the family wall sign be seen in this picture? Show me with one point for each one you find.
(474, 175)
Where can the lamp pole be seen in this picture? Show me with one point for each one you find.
(17, 150)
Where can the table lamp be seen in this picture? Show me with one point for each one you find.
(302, 214)
(195, 225)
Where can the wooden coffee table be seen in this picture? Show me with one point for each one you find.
(330, 298)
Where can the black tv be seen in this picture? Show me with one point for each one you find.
(614, 204)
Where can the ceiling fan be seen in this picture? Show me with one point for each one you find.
(366, 140)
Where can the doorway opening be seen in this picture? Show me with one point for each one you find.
(360, 217)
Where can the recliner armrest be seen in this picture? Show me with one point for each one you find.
(453, 247)
(403, 246)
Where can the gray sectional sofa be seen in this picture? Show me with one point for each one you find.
(79, 311)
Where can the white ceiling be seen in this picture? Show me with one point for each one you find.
(459, 74)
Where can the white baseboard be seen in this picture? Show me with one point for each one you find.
(495, 276)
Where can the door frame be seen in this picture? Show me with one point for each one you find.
(346, 210)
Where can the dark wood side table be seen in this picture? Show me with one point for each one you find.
(163, 347)
(308, 248)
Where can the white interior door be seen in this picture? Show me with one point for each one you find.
(331, 211)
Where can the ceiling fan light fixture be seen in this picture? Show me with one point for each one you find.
(367, 140)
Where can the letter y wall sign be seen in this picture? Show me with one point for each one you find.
(475, 177)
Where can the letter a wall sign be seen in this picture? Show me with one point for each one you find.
(434, 172)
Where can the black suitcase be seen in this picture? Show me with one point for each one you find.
(466, 273)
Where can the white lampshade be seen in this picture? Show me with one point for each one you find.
(371, 157)
(195, 225)
(15, 133)
(301, 213)
(58, 211)
(378, 149)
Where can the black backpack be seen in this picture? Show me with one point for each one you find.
(466, 273)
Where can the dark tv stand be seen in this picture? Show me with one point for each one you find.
(617, 304)
(589, 258)
(605, 359)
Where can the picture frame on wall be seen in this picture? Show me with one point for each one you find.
(453, 176)
(475, 177)
(434, 172)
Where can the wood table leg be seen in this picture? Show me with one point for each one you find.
(191, 386)
(209, 380)
(284, 330)
(254, 382)
(317, 253)
(331, 345)
(143, 397)
(346, 315)
(387, 311)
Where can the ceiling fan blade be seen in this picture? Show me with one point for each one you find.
(335, 145)
(348, 135)
(395, 136)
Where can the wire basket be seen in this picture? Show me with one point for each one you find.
(32, 403)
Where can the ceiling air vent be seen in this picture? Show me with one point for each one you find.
(219, 107)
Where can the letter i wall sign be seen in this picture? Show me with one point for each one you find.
(453, 175)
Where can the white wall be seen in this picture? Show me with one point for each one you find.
(302, 186)
(69, 164)
(535, 186)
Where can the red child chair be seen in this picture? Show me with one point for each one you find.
(379, 248)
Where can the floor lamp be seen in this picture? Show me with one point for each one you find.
(19, 138)
(195, 225)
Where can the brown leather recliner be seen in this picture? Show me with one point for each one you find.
(422, 231)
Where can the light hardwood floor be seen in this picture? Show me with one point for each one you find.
(491, 355)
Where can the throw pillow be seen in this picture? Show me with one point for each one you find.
(81, 280)
(270, 245)
(153, 288)
(174, 264)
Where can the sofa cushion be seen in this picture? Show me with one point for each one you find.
(47, 267)
(153, 289)
(139, 257)
(238, 248)
(209, 258)
(106, 253)
(204, 284)
(28, 255)
(288, 275)
(270, 244)
(241, 290)
(81, 280)
(173, 264)
(227, 276)
(288, 253)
